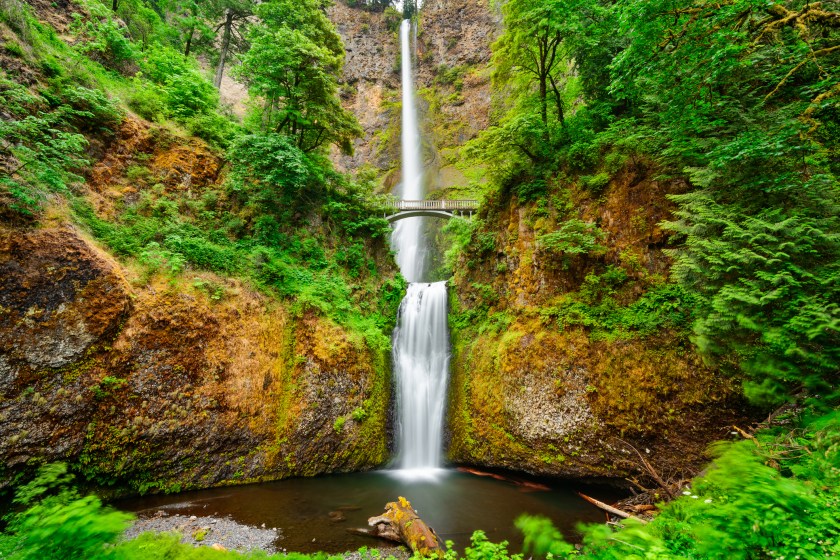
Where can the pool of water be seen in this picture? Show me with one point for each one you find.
(454, 503)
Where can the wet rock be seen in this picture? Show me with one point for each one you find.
(167, 389)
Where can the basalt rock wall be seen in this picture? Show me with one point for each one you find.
(557, 368)
(160, 387)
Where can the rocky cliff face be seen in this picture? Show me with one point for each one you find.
(452, 52)
(161, 387)
(537, 385)
(525, 393)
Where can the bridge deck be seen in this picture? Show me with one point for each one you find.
(444, 205)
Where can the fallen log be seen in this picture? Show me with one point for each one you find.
(400, 523)
(610, 509)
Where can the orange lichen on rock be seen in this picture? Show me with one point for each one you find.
(165, 388)
(530, 392)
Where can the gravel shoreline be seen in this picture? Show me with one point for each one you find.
(216, 532)
(223, 533)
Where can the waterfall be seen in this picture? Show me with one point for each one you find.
(421, 338)
(421, 363)
(408, 240)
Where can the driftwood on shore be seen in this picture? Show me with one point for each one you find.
(400, 523)
(610, 509)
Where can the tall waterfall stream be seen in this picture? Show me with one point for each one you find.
(314, 513)
(421, 338)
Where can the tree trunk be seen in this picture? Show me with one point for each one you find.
(189, 40)
(220, 70)
(543, 100)
(401, 523)
(559, 100)
(114, 5)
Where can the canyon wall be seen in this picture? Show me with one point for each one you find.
(150, 381)
(453, 83)
(570, 365)
(161, 387)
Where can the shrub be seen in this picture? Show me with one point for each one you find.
(573, 237)
(148, 102)
(106, 43)
(58, 523)
(186, 92)
(595, 184)
(359, 414)
(213, 128)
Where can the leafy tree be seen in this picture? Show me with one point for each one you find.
(192, 18)
(292, 65)
(234, 16)
(533, 45)
(740, 97)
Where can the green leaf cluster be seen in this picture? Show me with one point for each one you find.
(741, 99)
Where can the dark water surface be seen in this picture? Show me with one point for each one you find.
(454, 504)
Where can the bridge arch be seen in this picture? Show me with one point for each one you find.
(420, 213)
(444, 209)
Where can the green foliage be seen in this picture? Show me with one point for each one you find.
(216, 129)
(457, 235)
(57, 523)
(271, 171)
(338, 425)
(735, 102)
(480, 549)
(359, 414)
(595, 183)
(107, 386)
(596, 307)
(179, 91)
(741, 99)
(106, 42)
(292, 66)
(779, 315)
(571, 238)
(43, 146)
(542, 538)
(392, 19)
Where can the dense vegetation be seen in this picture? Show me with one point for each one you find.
(739, 98)
(737, 101)
(257, 221)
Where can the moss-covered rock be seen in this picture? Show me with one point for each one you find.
(165, 388)
(563, 362)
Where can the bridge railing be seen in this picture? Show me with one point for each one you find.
(445, 205)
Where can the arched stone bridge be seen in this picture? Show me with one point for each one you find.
(401, 209)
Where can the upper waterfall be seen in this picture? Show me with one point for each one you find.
(407, 238)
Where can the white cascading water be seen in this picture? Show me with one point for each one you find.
(421, 363)
(421, 338)
(407, 239)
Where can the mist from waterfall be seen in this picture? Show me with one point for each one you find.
(421, 338)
